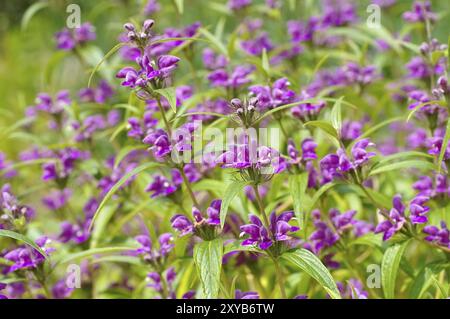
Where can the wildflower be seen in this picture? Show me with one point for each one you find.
(151, 254)
(438, 236)
(69, 39)
(421, 11)
(270, 97)
(25, 257)
(264, 237)
(396, 219)
(204, 227)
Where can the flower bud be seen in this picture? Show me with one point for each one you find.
(148, 24)
(236, 103)
(129, 26)
(424, 48)
(443, 83)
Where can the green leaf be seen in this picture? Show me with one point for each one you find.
(309, 263)
(230, 192)
(444, 146)
(216, 42)
(22, 238)
(336, 116)
(116, 186)
(169, 94)
(125, 151)
(326, 127)
(99, 64)
(401, 155)
(265, 62)
(370, 239)
(31, 11)
(180, 5)
(93, 252)
(389, 268)
(297, 187)
(400, 165)
(208, 259)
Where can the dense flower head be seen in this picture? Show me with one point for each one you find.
(420, 12)
(439, 236)
(327, 233)
(259, 235)
(25, 257)
(150, 74)
(204, 226)
(337, 165)
(68, 39)
(395, 221)
(277, 94)
(149, 252)
(12, 212)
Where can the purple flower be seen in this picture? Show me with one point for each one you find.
(61, 291)
(256, 46)
(151, 7)
(211, 61)
(354, 290)
(202, 226)
(276, 95)
(439, 236)
(418, 210)
(57, 199)
(160, 186)
(152, 254)
(150, 72)
(421, 11)
(338, 13)
(26, 257)
(396, 219)
(160, 143)
(68, 39)
(238, 294)
(264, 238)
(238, 4)
(2, 287)
(238, 77)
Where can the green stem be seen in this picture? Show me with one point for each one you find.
(261, 207)
(280, 277)
(188, 186)
(163, 114)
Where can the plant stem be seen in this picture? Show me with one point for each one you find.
(163, 113)
(280, 277)
(188, 186)
(261, 206)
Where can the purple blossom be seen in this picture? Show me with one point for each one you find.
(396, 219)
(420, 12)
(439, 236)
(270, 97)
(203, 226)
(150, 72)
(57, 199)
(264, 238)
(161, 186)
(257, 45)
(237, 78)
(238, 294)
(68, 39)
(26, 257)
(153, 254)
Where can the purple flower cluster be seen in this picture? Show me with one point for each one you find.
(263, 237)
(336, 165)
(201, 226)
(67, 39)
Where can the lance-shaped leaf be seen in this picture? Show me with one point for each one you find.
(169, 94)
(389, 268)
(22, 238)
(309, 263)
(208, 259)
(297, 186)
(230, 193)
